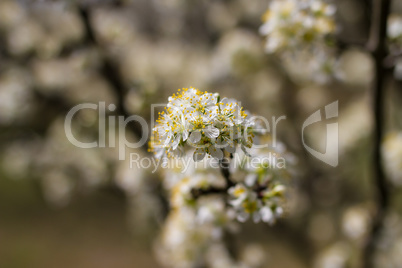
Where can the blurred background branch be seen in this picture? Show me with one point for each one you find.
(378, 47)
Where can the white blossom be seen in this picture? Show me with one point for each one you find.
(394, 30)
(202, 121)
(260, 192)
(301, 32)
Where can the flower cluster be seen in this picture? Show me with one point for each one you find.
(194, 231)
(306, 27)
(259, 183)
(260, 195)
(188, 233)
(195, 238)
(291, 24)
(201, 120)
(206, 203)
(182, 191)
(260, 204)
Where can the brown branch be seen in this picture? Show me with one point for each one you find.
(224, 167)
(378, 47)
(208, 191)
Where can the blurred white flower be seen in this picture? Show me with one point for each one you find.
(394, 32)
(335, 256)
(77, 169)
(189, 232)
(11, 13)
(239, 193)
(218, 256)
(15, 96)
(300, 31)
(17, 158)
(254, 255)
(392, 157)
(260, 195)
(291, 24)
(355, 222)
(395, 29)
(57, 188)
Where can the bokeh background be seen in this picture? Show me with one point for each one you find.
(61, 206)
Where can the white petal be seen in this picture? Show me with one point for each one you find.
(192, 113)
(211, 132)
(231, 148)
(221, 143)
(204, 215)
(236, 132)
(179, 152)
(245, 151)
(330, 10)
(236, 202)
(195, 136)
(212, 111)
(231, 190)
(168, 140)
(250, 180)
(238, 121)
(216, 152)
(176, 142)
(266, 28)
(279, 211)
(267, 215)
(209, 100)
(243, 216)
(185, 135)
(223, 101)
(159, 153)
(198, 155)
(229, 123)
